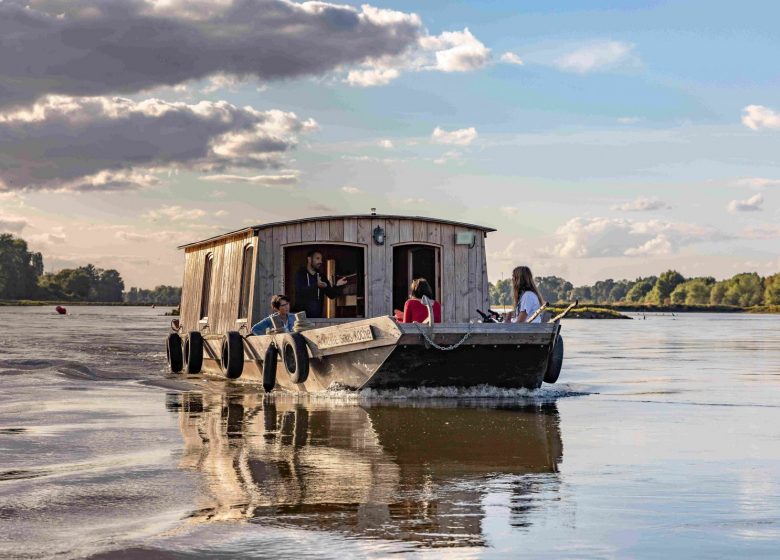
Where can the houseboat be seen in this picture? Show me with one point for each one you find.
(230, 279)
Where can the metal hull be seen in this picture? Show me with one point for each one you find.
(398, 355)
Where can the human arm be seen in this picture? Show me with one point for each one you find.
(407, 318)
(262, 326)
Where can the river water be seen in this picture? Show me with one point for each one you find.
(661, 439)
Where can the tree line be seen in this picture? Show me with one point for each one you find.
(22, 277)
(743, 290)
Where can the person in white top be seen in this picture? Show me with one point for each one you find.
(526, 296)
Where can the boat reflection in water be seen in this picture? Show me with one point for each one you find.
(396, 471)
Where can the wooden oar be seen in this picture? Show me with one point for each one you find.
(536, 313)
(562, 314)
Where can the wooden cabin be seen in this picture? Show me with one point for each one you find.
(229, 279)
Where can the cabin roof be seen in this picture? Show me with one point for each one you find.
(258, 227)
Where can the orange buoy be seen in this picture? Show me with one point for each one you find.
(61, 310)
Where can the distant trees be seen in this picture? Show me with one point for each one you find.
(671, 287)
(19, 268)
(85, 283)
(161, 295)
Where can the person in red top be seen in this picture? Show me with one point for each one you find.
(415, 311)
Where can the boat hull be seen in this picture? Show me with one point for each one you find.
(403, 355)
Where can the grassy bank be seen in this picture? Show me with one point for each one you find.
(588, 312)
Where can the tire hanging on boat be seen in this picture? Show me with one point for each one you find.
(295, 356)
(232, 355)
(173, 351)
(193, 352)
(555, 362)
(269, 368)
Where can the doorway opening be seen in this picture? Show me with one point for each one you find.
(415, 261)
(337, 261)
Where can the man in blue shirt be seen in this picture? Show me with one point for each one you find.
(280, 303)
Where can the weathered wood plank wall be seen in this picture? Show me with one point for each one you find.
(463, 270)
(225, 283)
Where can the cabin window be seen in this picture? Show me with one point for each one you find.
(337, 261)
(415, 261)
(246, 282)
(204, 298)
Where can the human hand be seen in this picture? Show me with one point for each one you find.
(340, 282)
(321, 284)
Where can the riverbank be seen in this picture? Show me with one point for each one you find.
(35, 302)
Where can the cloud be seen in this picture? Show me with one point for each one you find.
(758, 182)
(511, 58)
(12, 224)
(318, 207)
(456, 51)
(279, 180)
(448, 157)
(174, 214)
(451, 51)
(509, 210)
(103, 143)
(388, 144)
(757, 116)
(94, 47)
(460, 137)
(641, 204)
(629, 120)
(414, 201)
(752, 204)
(51, 238)
(351, 190)
(221, 213)
(769, 231)
(609, 237)
(596, 56)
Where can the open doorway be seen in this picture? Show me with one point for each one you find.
(337, 261)
(414, 261)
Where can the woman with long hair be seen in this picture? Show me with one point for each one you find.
(526, 296)
(416, 307)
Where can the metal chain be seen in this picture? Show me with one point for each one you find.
(443, 348)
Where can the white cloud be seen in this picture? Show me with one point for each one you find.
(460, 137)
(351, 190)
(123, 143)
(596, 56)
(758, 182)
(457, 51)
(451, 51)
(511, 58)
(448, 157)
(609, 237)
(641, 204)
(371, 77)
(12, 224)
(221, 213)
(278, 180)
(387, 144)
(509, 210)
(629, 120)
(174, 214)
(752, 204)
(758, 116)
(414, 201)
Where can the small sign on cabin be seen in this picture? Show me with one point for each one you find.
(340, 336)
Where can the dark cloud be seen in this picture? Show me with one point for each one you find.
(95, 47)
(105, 143)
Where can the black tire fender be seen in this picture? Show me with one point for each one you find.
(193, 352)
(232, 359)
(295, 356)
(269, 367)
(554, 362)
(173, 351)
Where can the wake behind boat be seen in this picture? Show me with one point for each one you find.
(229, 280)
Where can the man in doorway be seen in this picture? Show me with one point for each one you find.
(311, 286)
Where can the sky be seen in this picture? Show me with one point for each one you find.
(601, 139)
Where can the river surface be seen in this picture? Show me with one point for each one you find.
(660, 440)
